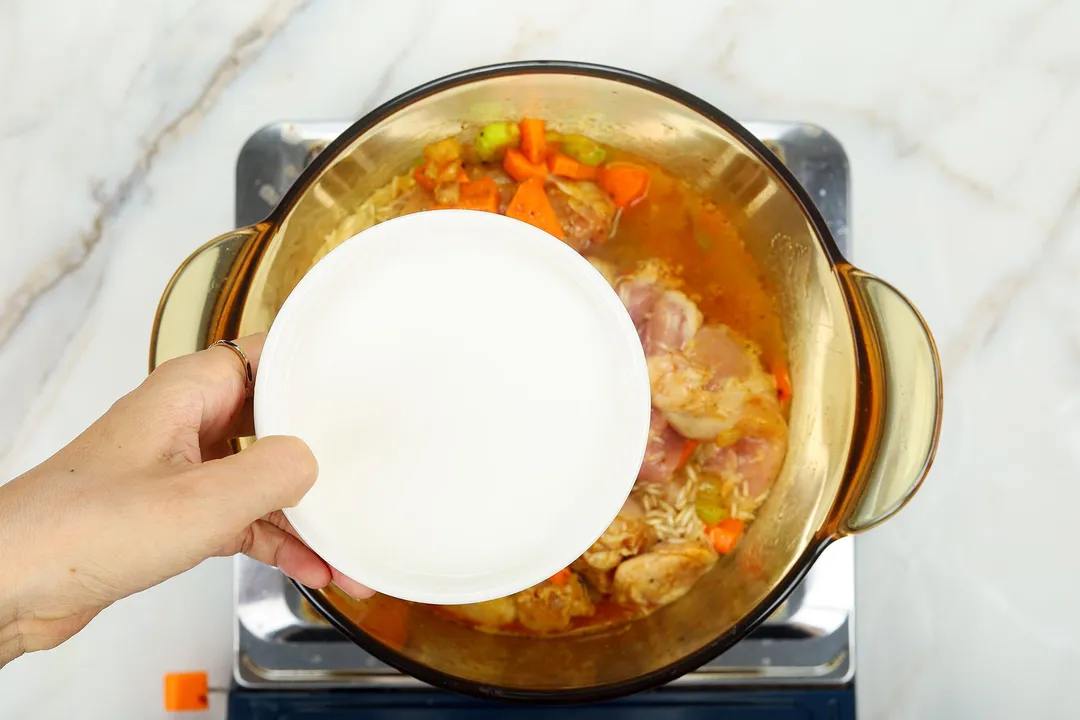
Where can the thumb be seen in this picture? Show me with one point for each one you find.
(273, 473)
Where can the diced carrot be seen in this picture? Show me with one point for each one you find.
(566, 166)
(725, 534)
(531, 204)
(533, 139)
(520, 167)
(461, 176)
(482, 194)
(561, 578)
(426, 176)
(783, 382)
(624, 182)
(687, 451)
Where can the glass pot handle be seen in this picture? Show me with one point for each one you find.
(193, 306)
(899, 412)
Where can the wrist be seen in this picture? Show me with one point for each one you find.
(12, 546)
(11, 639)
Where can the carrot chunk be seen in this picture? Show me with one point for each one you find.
(520, 167)
(482, 194)
(561, 578)
(687, 451)
(783, 382)
(533, 139)
(626, 183)
(531, 204)
(725, 534)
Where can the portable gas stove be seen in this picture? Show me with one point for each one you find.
(291, 663)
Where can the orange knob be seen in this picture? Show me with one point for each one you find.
(186, 691)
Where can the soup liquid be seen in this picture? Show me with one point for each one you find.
(691, 234)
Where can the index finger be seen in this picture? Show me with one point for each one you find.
(218, 378)
(224, 398)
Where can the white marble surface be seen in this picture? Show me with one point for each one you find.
(119, 129)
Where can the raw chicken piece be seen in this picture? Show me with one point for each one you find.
(754, 459)
(710, 388)
(548, 607)
(625, 537)
(639, 296)
(663, 451)
(586, 213)
(666, 319)
(673, 320)
(492, 613)
(727, 353)
(664, 574)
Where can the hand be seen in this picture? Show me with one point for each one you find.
(147, 492)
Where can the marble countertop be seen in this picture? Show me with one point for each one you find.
(118, 137)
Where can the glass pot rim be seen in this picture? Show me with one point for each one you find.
(805, 561)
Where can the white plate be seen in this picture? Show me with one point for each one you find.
(476, 396)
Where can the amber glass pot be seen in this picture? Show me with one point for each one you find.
(865, 374)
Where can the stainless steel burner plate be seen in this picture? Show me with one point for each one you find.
(281, 643)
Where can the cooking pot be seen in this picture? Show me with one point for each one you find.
(866, 408)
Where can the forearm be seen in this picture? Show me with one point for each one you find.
(38, 572)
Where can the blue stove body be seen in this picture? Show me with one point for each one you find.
(792, 704)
